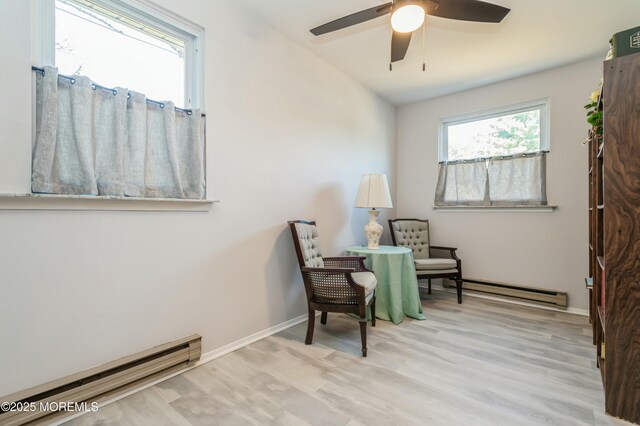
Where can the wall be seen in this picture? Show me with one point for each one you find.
(289, 137)
(545, 250)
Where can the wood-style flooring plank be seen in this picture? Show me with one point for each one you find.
(480, 363)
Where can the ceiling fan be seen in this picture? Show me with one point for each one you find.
(408, 15)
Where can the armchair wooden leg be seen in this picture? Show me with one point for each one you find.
(459, 289)
(429, 285)
(310, 324)
(373, 312)
(363, 335)
(323, 318)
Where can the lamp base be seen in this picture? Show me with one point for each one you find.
(373, 230)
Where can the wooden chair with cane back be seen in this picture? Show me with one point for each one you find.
(333, 284)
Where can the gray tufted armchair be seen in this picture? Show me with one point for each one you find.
(333, 284)
(430, 261)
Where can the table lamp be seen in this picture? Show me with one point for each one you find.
(373, 193)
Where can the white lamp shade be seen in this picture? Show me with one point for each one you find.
(374, 192)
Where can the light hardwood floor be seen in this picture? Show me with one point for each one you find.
(479, 363)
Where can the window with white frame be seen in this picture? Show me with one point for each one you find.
(494, 158)
(126, 44)
(125, 81)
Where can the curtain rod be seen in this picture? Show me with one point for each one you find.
(497, 157)
(94, 85)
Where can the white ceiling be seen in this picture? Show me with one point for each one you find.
(536, 35)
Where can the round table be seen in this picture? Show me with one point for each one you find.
(397, 292)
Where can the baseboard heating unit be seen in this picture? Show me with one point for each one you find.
(81, 391)
(529, 294)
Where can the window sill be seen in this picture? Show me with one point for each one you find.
(523, 209)
(102, 203)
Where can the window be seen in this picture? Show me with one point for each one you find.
(495, 158)
(125, 44)
(508, 131)
(124, 79)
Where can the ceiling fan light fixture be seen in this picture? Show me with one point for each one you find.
(407, 18)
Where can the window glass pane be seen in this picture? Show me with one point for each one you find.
(113, 54)
(504, 135)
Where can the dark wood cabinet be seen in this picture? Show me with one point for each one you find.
(614, 238)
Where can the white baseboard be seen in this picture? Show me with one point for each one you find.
(216, 353)
(204, 358)
(575, 311)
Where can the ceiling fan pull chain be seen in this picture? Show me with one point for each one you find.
(391, 48)
(424, 47)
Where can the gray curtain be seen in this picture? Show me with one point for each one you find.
(91, 141)
(519, 180)
(462, 184)
(501, 181)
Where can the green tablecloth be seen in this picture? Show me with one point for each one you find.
(397, 292)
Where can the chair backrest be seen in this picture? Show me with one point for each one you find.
(307, 243)
(411, 233)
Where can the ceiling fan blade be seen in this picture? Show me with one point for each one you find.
(470, 10)
(353, 19)
(399, 45)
